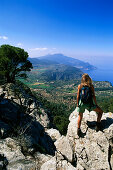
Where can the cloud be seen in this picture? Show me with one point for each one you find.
(19, 44)
(3, 37)
(39, 49)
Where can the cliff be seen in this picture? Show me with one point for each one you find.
(27, 142)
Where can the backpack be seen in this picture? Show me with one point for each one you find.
(86, 95)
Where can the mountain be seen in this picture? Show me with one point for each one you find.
(27, 141)
(41, 62)
(61, 72)
(50, 70)
(61, 59)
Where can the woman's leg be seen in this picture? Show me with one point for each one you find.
(80, 119)
(99, 112)
(98, 124)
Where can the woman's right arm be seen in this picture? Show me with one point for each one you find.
(78, 94)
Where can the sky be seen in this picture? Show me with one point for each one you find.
(76, 28)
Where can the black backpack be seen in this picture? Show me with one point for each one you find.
(86, 95)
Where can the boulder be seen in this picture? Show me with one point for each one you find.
(54, 134)
(11, 150)
(23, 164)
(53, 164)
(63, 146)
(92, 150)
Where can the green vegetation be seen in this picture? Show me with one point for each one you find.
(54, 85)
(13, 63)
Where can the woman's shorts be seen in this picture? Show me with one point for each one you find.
(81, 108)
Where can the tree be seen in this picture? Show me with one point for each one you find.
(13, 62)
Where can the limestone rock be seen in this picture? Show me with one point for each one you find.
(52, 164)
(22, 165)
(5, 129)
(63, 146)
(93, 150)
(41, 159)
(65, 165)
(54, 134)
(10, 149)
(49, 165)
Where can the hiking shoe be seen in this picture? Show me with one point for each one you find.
(78, 131)
(98, 126)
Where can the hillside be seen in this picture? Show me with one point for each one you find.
(61, 59)
(28, 142)
(52, 72)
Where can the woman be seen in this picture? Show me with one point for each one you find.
(89, 102)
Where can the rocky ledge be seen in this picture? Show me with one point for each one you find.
(26, 142)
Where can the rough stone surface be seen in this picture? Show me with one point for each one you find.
(54, 134)
(49, 165)
(92, 149)
(23, 96)
(53, 164)
(22, 165)
(63, 146)
(5, 129)
(23, 137)
(10, 149)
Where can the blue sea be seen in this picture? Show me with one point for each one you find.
(102, 75)
(104, 71)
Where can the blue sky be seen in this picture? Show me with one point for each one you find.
(77, 28)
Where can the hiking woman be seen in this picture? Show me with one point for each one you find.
(86, 100)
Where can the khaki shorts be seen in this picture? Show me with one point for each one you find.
(81, 108)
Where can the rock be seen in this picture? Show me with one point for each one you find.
(41, 159)
(63, 146)
(22, 165)
(5, 129)
(9, 111)
(93, 149)
(33, 138)
(54, 134)
(11, 150)
(49, 165)
(52, 164)
(3, 162)
(21, 95)
(65, 165)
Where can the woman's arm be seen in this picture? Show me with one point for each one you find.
(94, 97)
(78, 94)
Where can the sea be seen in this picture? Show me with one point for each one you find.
(104, 69)
(101, 75)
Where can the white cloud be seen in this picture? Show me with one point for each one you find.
(3, 37)
(39, 49)
(19, 44)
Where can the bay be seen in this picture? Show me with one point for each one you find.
(104, 71)
(101, 75)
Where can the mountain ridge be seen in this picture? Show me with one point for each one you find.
(62, 59)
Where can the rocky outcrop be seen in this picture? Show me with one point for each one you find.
(20, 94)
(54, 134)
(93, 150)
(27, 143)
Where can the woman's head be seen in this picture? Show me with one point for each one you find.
(86, 80)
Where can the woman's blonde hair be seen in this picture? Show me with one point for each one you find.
(86, 80)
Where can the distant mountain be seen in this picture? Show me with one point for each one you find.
(41, 62)
(61, 59)
(58, 67)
